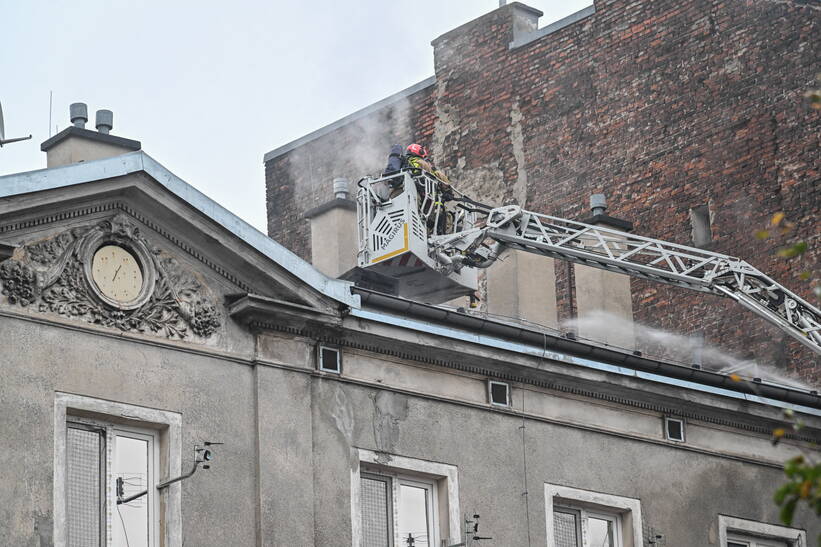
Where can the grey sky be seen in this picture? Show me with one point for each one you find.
(209, 87)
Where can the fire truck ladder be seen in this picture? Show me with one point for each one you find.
(612, 250)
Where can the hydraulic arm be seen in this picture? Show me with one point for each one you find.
(634, 255)
(431, 238)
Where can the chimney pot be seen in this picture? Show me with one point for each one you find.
(341, 188)
(598, 203)
(79, 114)
(104, 121)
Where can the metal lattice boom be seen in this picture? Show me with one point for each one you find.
(633, 255)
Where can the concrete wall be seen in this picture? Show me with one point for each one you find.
(213, 395)
(283, 476)
(76, 149)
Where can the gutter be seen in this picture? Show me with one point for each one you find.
(427, 318)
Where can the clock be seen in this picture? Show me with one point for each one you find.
(117, 274)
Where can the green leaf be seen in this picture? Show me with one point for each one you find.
(788, 511)
(794, 250)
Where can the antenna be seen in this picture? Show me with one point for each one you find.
(3, 139)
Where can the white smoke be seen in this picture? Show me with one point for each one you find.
(678, 348)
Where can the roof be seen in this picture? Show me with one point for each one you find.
(70, 131)
(136, 162)
(285, 148)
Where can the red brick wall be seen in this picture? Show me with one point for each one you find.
(661, 105)
(300, 180)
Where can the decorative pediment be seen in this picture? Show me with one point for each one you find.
(110, 274)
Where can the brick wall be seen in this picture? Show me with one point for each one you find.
(662, 105)
(302, 179)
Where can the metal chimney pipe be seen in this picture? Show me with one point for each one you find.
(341, 188)
(104, 121)
(598, 203)
(78, 114)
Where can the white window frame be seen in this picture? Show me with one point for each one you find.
(490, 384)
(667, 420)
(738, 529)
(336, 350)
(624, 512)
(441, 480)
(162, 428)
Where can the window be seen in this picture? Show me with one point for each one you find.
(674, 429)
(499, 393)
(105, 463)
(398, 501)
(736, 532)
(581, 518)
(734, 540)
(575, 527)
(101, 457)
(398, 510)
(702, 229)
(330, 359)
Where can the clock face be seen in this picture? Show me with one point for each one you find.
(117, 273)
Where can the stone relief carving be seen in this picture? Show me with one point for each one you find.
(54, 275)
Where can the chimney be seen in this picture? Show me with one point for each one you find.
(78, 113)
(77, 144)
(602, 291)
(105, 121)
(522, 285)
(333, 232)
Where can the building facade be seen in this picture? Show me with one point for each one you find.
(688, 115)
(143, 324)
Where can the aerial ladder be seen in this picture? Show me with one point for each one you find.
(431, 240)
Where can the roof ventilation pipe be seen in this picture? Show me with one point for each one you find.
(598, 204)
(341, 188)
(79, 114)
(104, 121)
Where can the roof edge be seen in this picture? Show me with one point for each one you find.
(285, 148)
(135, 162)
(83, 133)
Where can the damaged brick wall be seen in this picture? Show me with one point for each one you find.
(664, 106)
(301, 179)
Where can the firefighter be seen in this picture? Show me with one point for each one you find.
(416, 160)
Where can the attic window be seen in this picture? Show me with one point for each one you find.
(702, 229)
(330, 359)
(674, 429)
(499, 393)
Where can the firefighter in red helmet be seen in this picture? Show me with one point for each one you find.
(416, 157)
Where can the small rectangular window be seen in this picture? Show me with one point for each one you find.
(702, 227)
(674, 429)
(330, 359)
(499, 393)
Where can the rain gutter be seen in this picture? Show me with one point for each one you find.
(461, 326)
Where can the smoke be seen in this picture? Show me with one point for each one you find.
(357, 149)
(678, 348)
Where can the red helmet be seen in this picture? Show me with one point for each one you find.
(417, 150)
